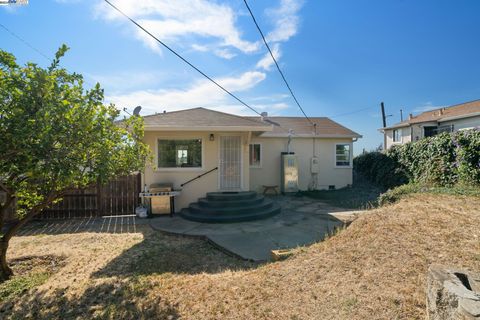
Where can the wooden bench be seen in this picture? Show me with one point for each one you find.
(270, 188)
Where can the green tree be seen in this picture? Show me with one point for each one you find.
(54, 137)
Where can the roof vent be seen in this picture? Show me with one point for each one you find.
(264, 115)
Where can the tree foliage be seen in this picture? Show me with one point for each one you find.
(56, 136)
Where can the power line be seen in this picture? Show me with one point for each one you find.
(276, 63)
(352, 112)
(25, 42)
(182, 58)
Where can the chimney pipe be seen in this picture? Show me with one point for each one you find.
(410, 116)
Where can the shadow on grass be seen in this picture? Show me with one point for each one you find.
(113, 300)
(361, 195)
(111, 224)
(159, 254)
(29, 272)
(119, 289)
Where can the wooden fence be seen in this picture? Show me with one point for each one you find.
(118, 197)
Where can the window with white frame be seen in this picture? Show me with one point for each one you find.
(179, 153)
(342, 155)
(255, 151)
(397, 135)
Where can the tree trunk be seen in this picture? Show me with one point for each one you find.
(5, 271)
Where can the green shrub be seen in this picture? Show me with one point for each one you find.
(393, 195)
(380, 169)
(443, 160)
(396, 194)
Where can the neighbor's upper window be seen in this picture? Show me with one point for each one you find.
(342, 155)
(397, 135)
(255, 155)
(180, 153)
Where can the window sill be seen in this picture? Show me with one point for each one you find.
(343, 167)
(255, 167)
(179, 169)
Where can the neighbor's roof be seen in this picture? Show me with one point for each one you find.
(201, 119)
(458, 111)
(326, 128)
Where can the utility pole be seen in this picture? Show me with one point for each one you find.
(401, 115)
(384, 118)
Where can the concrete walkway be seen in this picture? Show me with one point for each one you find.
(302, 221)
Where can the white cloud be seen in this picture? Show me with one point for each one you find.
(171, 20)
(198, 47)
(203, 93)
(128, 79)
(286, 20)
(225, 53)
(267, 62)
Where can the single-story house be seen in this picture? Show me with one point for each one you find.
(448, 119)
(246, 151)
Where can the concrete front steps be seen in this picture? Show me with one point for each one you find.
(224, 207)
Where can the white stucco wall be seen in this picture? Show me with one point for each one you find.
(462, 124)
(405, 136)
(416, 131)
(269, 172)
(198, 188)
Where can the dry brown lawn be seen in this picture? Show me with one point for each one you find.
(374, 269)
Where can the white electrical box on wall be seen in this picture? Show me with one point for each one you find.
(314, 165)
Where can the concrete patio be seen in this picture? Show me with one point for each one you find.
(302, 221)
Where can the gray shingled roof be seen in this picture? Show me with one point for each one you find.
(302, 127)
(201, 118)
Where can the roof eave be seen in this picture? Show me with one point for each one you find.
(469, 115)
(296, 135)
(209, 128)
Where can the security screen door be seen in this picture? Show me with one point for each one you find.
(230, 163)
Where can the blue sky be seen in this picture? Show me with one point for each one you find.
(342, 58)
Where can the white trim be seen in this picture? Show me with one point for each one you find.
(474, 114)
(400, 131)
(208, 128)
(261, 155)
(241, 159)
(350, 166)
(179, 169)
(308, 135)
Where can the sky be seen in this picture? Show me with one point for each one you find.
(341, 57)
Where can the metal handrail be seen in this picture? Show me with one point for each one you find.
(197, 177)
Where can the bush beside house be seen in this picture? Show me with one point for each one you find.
(443, 160)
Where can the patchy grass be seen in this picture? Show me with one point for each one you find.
(361, 195)
(30, 272)
(394, 195)
(374, 269)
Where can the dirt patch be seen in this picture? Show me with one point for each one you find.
(375, 269)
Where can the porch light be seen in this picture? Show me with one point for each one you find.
(212, 137)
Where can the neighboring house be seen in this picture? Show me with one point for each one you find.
(246, 150)
(457, 117)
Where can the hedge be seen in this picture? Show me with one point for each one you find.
(443, 160)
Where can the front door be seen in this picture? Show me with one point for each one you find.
(230, 167)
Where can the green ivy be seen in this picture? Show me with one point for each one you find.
(442, 160)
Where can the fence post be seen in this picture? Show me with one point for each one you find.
(99, 198)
